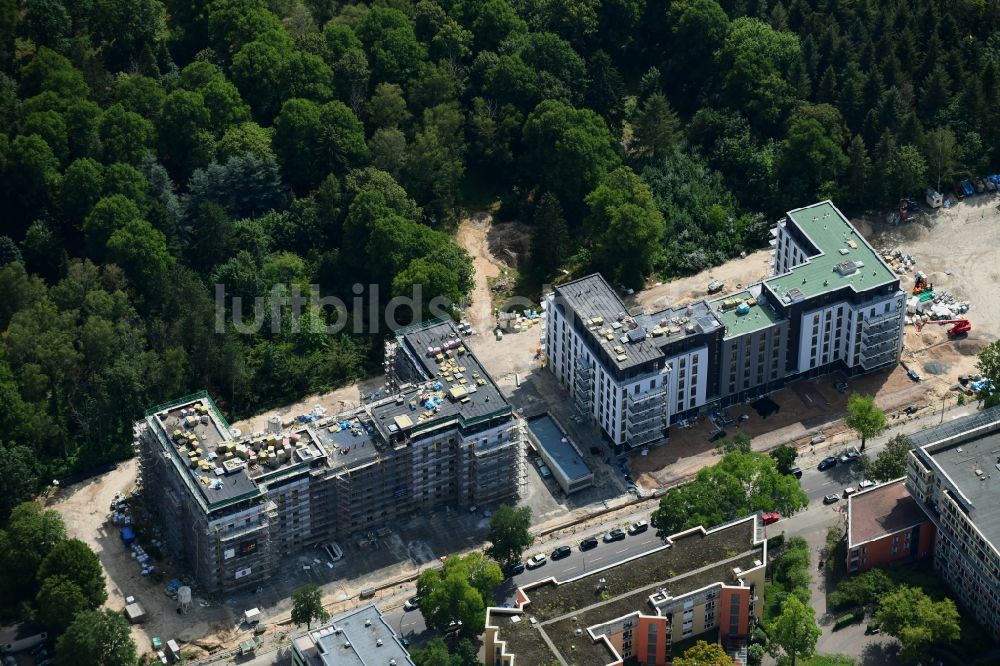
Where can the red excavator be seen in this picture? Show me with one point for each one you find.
(961, 326)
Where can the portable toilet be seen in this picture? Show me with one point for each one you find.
(128, 536)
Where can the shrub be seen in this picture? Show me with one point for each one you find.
(855, 615)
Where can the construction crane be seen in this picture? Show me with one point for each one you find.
(961, 326)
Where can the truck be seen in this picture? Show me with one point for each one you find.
(250, 645)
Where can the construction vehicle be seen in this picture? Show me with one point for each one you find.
(961, 326)
(922, 285)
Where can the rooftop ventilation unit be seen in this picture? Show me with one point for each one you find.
(849, 267)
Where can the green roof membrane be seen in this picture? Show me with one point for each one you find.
(760, 315)
(838, 242)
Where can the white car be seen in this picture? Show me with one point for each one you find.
(638, 527)
(866, 484)
(535, 561)
(849, 490)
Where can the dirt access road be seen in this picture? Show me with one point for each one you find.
(84, 508)
(511, 359)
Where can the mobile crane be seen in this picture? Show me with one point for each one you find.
(961, 326)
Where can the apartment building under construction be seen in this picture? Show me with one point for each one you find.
(234, 504)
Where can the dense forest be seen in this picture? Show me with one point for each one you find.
(152, 149)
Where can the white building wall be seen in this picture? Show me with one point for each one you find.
(787, 251)
(822, 341)
(688, 380)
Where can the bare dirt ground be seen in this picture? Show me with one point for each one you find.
(958, 248)
(513, 358)
(84, 508)
(736, 275)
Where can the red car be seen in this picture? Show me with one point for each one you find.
(771, 517)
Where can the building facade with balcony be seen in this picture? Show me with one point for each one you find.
(950, 475)
(831, 303)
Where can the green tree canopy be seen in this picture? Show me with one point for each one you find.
(97, 637)
(307, 606)
(510, 533)
(918, 621)
(30, 535)
(794, 632)
(459, 592)
(739, 485)
(784, 457)
(704, 654)
(58, 602)
(625, 227)
(74, 561)
(890, 462)
(569, 151)
(864, 417)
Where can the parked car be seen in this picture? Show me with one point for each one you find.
(843, 458)
(913, 374)
(453, 627)
(867, 483)
(796, 472)
(853, 454)
(827, 463)
(831, 499)
(536, 561)
(771, 517)
(842, 386)
(588, 543)
(717, 436)
(614, 535)
(561, 552)
(638, 527)
(515, 569)
(411, 603)
(849, 490)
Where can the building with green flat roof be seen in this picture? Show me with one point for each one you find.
(831, 303)
(835, 256)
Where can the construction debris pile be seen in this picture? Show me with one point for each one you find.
(898, 261)
(926, 304)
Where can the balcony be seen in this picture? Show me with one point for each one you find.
(879, 337)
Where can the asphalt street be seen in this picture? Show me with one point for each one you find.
(812, 523)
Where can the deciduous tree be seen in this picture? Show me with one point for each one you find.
(625, 226)
(510, 533)
(97, 637)
(307, 606)
(864, 417)
(704, 654)
(890, 462)
(918, 621)
(794, 632)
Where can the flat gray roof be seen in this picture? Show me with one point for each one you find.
(359, 638)
(556, 443)
(607, 321)
(453, 380)
(960, 462)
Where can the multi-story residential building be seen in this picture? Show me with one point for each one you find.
(950, 474)
(831, 303)
(701, 583)
(361, 637)
(234, 504)
(886, 525)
